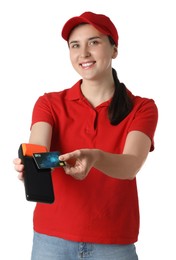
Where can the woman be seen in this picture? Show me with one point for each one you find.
(104, 134)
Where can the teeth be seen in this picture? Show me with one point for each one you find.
(87, 64)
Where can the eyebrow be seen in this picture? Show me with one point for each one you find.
(89, 39)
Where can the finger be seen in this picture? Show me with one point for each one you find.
(19, 167)
(66, 156)
(79, 176)
(17, 161)
(21, 177)
(69, 158)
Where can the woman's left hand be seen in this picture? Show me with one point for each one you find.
(78, 163)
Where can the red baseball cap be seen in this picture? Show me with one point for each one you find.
(101, 22)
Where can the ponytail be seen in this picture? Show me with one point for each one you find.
(121, 104)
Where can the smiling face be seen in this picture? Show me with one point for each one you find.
(91, 52)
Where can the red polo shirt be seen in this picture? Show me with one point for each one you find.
(98, 209)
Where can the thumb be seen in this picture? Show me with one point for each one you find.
(68, 158)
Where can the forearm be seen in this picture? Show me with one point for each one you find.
(122, 166)
(41, 134)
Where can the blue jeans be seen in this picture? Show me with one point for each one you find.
(53, 248)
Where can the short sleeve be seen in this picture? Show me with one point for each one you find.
(145, 118)
(42, 111)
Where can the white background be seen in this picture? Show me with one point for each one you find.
(34, 59)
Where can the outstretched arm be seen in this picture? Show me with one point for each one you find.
(122, 166)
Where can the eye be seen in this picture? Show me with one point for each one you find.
(93, 42)
(74, 45)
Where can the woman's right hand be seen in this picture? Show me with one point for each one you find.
(19, 167)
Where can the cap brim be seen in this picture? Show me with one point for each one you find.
(71, 23)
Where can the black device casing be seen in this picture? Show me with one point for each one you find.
(37, 182)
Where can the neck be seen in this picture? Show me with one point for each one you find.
(97, 92)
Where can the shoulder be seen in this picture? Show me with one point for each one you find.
(65, 94)
(143, 103)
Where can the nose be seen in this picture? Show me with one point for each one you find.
(84, 52)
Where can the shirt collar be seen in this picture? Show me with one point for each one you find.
(74, 93)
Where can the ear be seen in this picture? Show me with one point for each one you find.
(115, 52)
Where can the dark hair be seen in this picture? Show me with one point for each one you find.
(121, 104)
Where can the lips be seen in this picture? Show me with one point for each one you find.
(87, 64)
